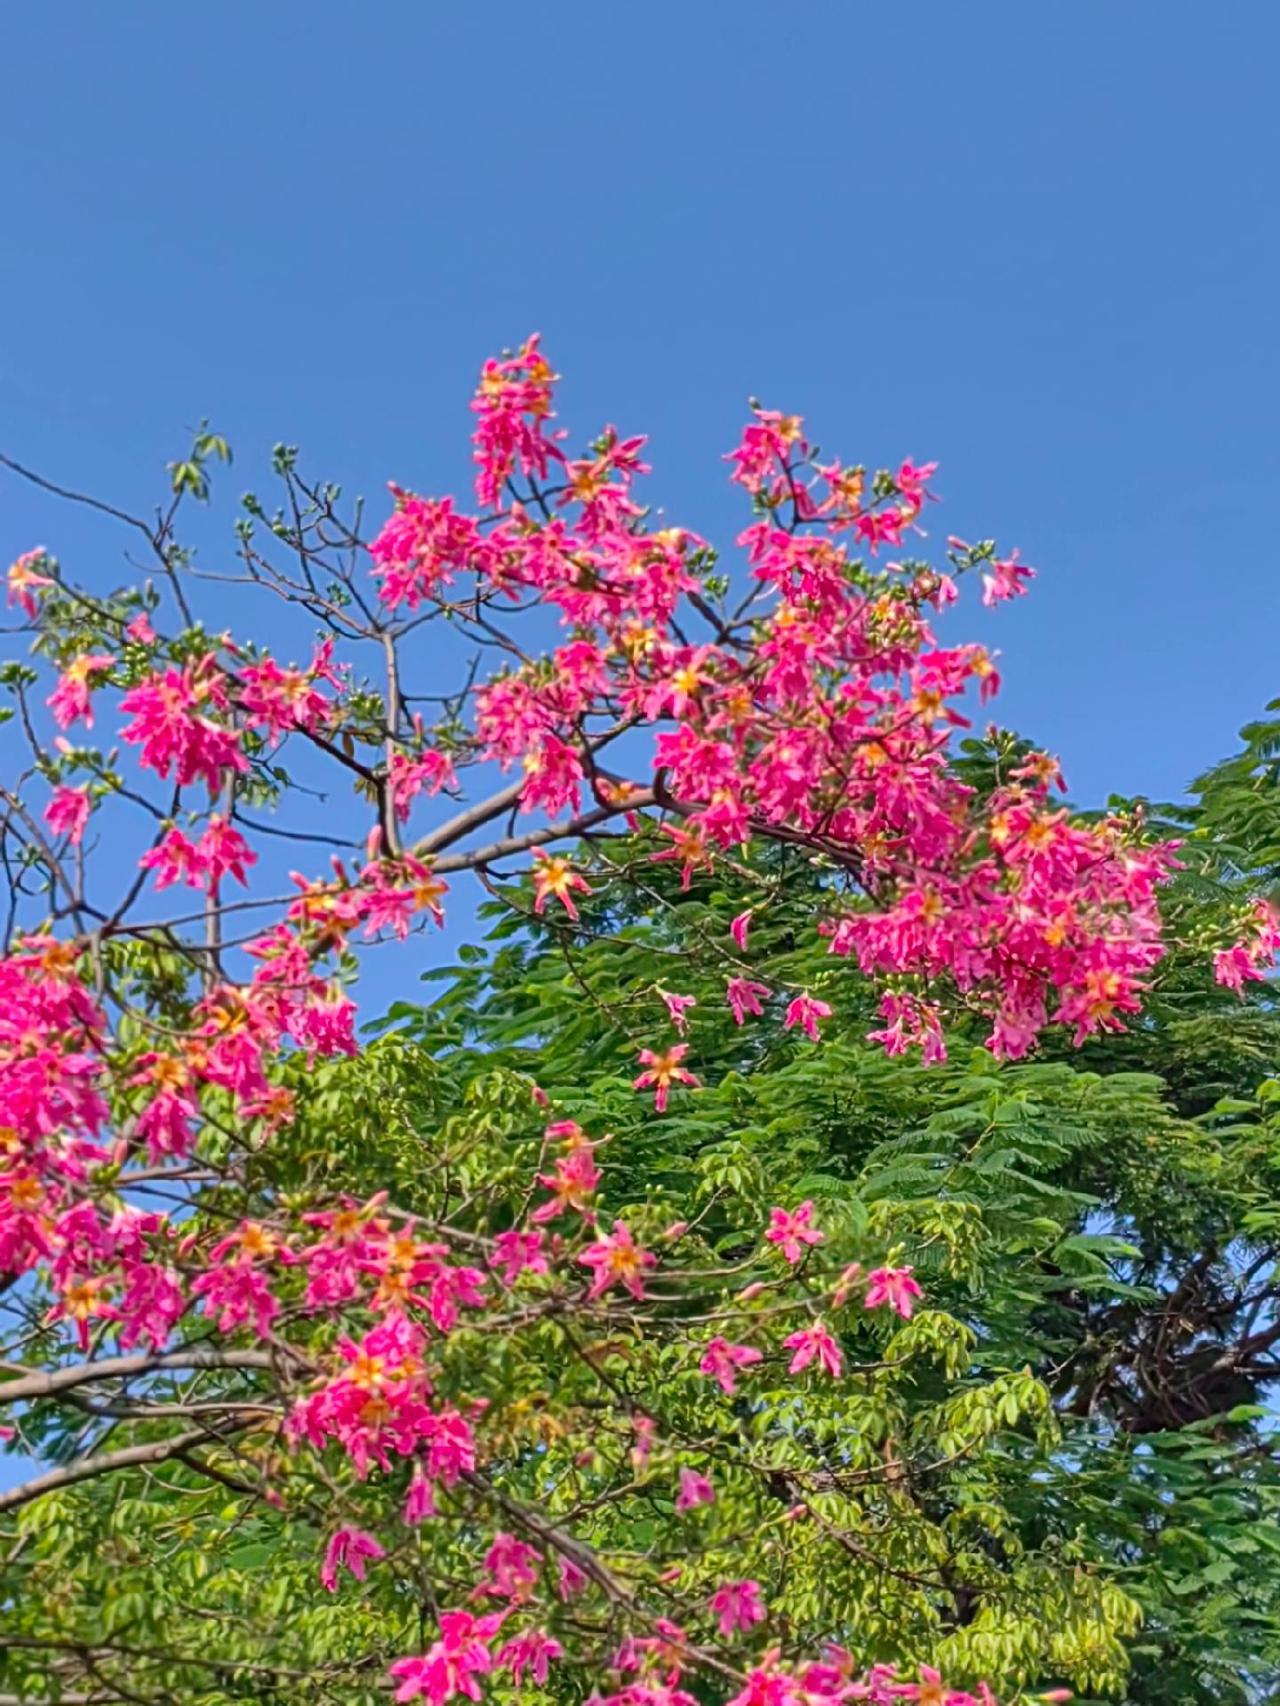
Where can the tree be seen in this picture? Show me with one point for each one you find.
(597, 1399)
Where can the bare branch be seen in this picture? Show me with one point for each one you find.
(122, 1368)
(105, 1463)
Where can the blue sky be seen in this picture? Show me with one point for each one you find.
(1032, 242)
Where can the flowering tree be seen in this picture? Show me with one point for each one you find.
(599, 1438)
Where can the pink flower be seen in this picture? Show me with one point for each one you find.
(516, 1253)
(806, 1011)
(664, 1070)
(428, 772)
(276, 700)
(71, 698)
(152, 1302)
(768, 444)
(617, 1260)
(1233, 967)
(555, 878)
(738, 1605)
(529, 1651)
(574, 1180)
(931, 1690)
(172, 727)
(895, 1286)
(792, 1230)
(68, 812)
(1248, 960)
(421, 547)
(175, 858)
(223, 851)
(912, 1023)
(745, 997)
(348, 1548)
(678, 1006)
(814, 1342)
(327, 1024)
(25, 581)
(689, 846)
(553, 777)
(512, 403)
(419, 1502)
(512, 1568)
(82, 1301)
(237, 1295)
(768, 1686)
(695, 1490)
(165, 1123)
(1005, 580)
(220, 851)
(644, 1431)
(453, 1663)
(740, 928)
(912, 482)
(721, 1361)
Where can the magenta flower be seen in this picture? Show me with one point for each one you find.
(570, 1580)
(738, 1605)
(811, 1344)
(645, 1434)
(806, 1011)
(745, 997)
(419, 1503)
(516, 1253)
(554, 878)
(512, 1568)
(72, 698)
(678, 1007)
(453, 1663)
(721, 1361)
(175, 858)
(25, 581)
(68, 812)
(224, 852)
(173, 729)
(662, 1070)
(792, 1230)
(617, 1260)
(575, 1178)
(348, 1548)
(895, 1286)
(530, 1651)
(1006, 580)
(1248, 960)
(695, 1490)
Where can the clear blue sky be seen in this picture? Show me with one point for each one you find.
(1034, 242)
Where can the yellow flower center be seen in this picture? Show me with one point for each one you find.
(26, 1194)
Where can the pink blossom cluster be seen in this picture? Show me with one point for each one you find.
(1250, 958)
(823, 714)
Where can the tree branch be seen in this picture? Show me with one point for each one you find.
(121, 1368)
(103, 1463)
(539, 837)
